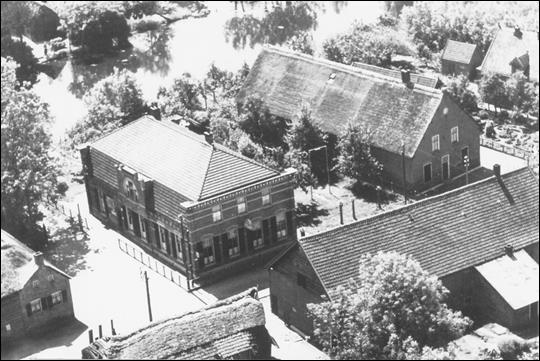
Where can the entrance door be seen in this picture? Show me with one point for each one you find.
(445, 160)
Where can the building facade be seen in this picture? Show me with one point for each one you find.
(239, 215)
(36, 296)
(460, 58)
(418, 133)
(434, 231)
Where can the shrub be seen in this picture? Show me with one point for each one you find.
(145, 25)
(511, 346)
(483, 114)
(61, 188)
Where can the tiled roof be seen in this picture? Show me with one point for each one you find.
(445, 234)
(458, 51)
(180, 159)
(18, 264)
(514, 277)
(340, 93)
(420, 79)
(224, 329)
(506, 47)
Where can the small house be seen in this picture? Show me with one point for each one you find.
(460, 58)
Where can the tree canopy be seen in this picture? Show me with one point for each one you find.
(458, 89)
(391, 310)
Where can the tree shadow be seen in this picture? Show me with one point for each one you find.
(67, 247)
(368, 192)
(238, 283)
(308, 214)
(62, 334)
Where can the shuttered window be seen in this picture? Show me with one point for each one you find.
(56, 297)
(35, 305)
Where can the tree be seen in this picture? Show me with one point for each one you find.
(29, 171)
(493, 90)
(27, 70)
(263, 127)
(391, 307)
(16, 17)
(181, 98)
(304, 134)
(112, 102)
(355, 159)
(521, 93)
(304, 177)
(458, 89)
(301, 42)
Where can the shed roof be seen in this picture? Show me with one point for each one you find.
(337, 93)
(458, 51)
(18, 264)
(180, 159)
(225, 328)
(514, 277)
(445, 233)
(506, 47)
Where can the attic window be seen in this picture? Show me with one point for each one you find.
(332, 76)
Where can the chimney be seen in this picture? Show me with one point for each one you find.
(38, 258)
(509, 250)
(406, 76)
(497, 170)
(517, 32)
(209, 137)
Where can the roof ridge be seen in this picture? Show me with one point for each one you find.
(206, 173)
(141, 118)
(411, 206)
(347, 68)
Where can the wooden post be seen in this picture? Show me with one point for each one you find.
(340, 212)
(404, 175)
(90, 336)
(148, 296)
(353, 210)
(100, 331)
(378, 189)
(113, 331)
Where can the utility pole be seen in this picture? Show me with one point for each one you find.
(145, 275)
(327, 164)
(403, 167)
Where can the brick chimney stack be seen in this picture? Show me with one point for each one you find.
(517, 32)
(38, 258)
(497, 170)
(209, 137)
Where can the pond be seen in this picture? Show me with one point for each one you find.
(226, 37)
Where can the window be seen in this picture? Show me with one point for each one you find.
(427, 172)
(50, 277)
(35, 305)
(445, 163)
(234, 246)
(163, 239)
(178, 241)
(216, 213)
(130, 220)
(110, 206)
(207, 251)
(56, 297)
(143, 227)
(454, 134)
(266, 196)
(301, 280)
(435, 145)
(35, 283)
(256, 235)
(8, 327)
(281, 225)
(102, 201)
(241, 203)
(131, 191)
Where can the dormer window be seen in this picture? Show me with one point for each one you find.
(130, 190)
(216, 213)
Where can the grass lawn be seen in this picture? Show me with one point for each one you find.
(322, 212)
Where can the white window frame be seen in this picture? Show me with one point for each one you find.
(281, 218)
(179, 253)
(50, 277)
(208, 243)
(430, 172)
(57, 297)
(130, 189)
(435, 143)
(35, 283)
(162, 240)
(36, 305)
(217, 213)
(233, 251)
(265, 194)
(454, 134)
(129, 219)
(8, 327)
(142, 224)
(241, 204)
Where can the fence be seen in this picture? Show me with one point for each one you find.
(71, 214)
(531, 157)
(153, 264)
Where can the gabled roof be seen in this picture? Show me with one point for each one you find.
(458, 51)
(514, 277)
(18, 264)
(445, 234)
(420, 79)
(340, 93)
(180, 159)
(506, 47)
(223, 329)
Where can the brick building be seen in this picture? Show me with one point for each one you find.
(451, 235)
(35, 295)
(513, 50)
(231, 329)
(194, 205)
(419, 134)
(460, 58)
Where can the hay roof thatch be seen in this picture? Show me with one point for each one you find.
(224, 328)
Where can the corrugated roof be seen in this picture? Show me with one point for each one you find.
(445, 234)
(506, 47)
(285, 80)
(420, 79)
(180, 159)
(18, 264)
(224, 328)
(514, 277)
(458, 51)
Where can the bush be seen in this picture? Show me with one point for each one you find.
(483, 114)
(490, 131)
(145, 25)
(511, 346)
(61, 188)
